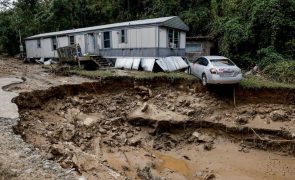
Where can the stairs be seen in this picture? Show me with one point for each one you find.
(102, 62)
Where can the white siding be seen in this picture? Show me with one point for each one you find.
(99, 40)
(32, 50)
(80, 39)
(141, 37)
(182, 40)
(163, 38)
(136, 38)
(63, 41)
(45, 51)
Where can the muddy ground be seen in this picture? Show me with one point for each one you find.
(159, 129)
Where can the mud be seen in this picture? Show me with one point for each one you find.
(120, 128)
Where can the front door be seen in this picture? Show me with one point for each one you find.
(90, 43)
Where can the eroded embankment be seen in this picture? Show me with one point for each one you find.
(122, 127)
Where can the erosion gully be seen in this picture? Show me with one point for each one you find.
(124, 128)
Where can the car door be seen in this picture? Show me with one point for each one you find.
(203, 67)
(196, 67)
(200, 68)
(192, 66)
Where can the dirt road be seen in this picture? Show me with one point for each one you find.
(127, 129)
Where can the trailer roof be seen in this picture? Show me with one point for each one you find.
(171, 21)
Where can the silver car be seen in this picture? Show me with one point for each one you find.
(215, 70)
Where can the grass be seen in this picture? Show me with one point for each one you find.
(253, 82)
(135, 74)
(258, 82)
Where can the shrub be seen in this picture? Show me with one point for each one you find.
(268, 56)
(281, 71)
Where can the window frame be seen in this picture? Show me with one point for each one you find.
(70, 42)
(39, 43)
(54, 44)
(123, 34)
(104, 40)
(172, 39)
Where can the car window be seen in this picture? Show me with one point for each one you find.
(221, 62)
(198, 61)
(205, 62)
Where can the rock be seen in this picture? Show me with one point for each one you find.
(145, 107)
(102, 131)
(172, 108)
(199, 174)
(242, 120)
(202, 137)
(68, 132)
(112, 108)
(129, 135)
(116, 120)
(89, 121)
(145, 90)
(190, 112)
(85, 162)
(135, 142)
(209, 177)
(279, 115)
(208, 146)
(138, 129)
(49, 156)
(57, 149)
(196, 134)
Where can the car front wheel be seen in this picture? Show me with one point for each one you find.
(204, 80)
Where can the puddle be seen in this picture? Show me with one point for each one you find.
(174, 164)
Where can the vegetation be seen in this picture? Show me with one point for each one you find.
(250, 81)
(135, 74)
(258, 82)
(282, 71)
(248, 31)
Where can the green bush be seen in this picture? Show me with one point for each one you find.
(283, 71)
(268, 56)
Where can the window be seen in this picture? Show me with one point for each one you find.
(123, 36)
(38, 43)
(54, 44)
(72, 40)
(193, 47)
(222, 62)
(173, 36)
(202, 61)
(107, 40)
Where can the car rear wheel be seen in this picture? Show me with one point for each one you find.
(204, 80)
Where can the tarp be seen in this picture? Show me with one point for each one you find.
(136, 63)
(167, 64)
(125, 63)
(172, 63)
(147, 64)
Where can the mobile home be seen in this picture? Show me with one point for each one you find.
(159, 37)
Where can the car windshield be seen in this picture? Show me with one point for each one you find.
(222, 62)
